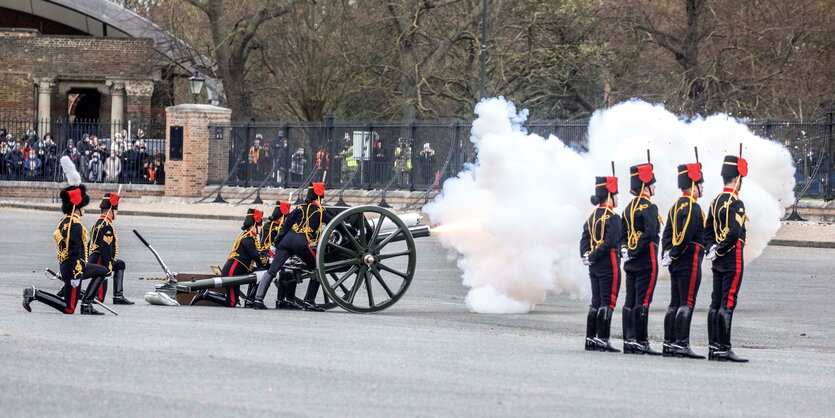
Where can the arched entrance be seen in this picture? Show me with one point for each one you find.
(84, 112)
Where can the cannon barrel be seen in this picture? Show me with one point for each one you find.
(216, 282)
(420, 231)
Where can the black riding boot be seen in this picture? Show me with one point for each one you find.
(712, 332)
(604, 325)
(669, 331)
(628, 322)
(289, 293)
(725, 352)
(681, 348)
(31, 294)
(591, 329)
(119, 288)
(310, 296)
(89, 295)
(208, 296)
(641, 315)
(260, 293)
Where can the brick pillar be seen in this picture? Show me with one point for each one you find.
(187, 178)
(139, 94)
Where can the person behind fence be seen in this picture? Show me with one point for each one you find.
(4, 167)
(639, 250)
(683, 248)
(50, 156)
(254, 157)
(403, 161)
(95, 167)
(299, 233)
(380, 158)
(33, 165)
(104, 249)
(281, 153)
(14, 162)
(113, 166)
(426, 160)
(349, 163)
(245, 256)
(323, 160)
(297, 164)
(71, 246)
(725, 236)
(599, 250)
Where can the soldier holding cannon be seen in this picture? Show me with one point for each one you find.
(725, 234)
(246, 255)
(104, 249)
(301, 230)
(683, 249)
(599, 250)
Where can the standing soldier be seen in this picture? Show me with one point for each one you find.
(598, 248)
(683, 246)
(246, 254)
(725, 234)
(301, 230)
(639, 249)
(71, 246)
(104, 249)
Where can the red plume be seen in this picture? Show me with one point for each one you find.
(694, 171)
(114, 199)
(284, 207)
(612, 184)
(257, 215)
(645, 173)
(75, 196)
(742, 166)
(319, 189)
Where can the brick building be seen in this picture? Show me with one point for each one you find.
(84, 60)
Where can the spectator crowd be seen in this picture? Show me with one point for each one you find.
(28, 157)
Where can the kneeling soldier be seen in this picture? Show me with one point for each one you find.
(104, 249)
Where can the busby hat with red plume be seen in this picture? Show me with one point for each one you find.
(280, 209)
(74, 195)
(639, 176)
(689, 174)
(253, 217)
(734, 166)
(603, 187)
(109, 201)
(315, 191)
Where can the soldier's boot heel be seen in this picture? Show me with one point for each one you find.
(88, 309)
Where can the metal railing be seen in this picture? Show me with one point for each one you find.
(134, 153)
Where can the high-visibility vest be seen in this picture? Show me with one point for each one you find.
(350, 161)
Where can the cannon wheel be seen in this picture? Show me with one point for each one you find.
(366, 274)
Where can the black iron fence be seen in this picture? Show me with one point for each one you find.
(124, 152)
(420, 155)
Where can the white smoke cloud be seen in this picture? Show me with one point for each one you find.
(515, 217)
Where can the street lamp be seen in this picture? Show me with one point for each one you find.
(195, 83)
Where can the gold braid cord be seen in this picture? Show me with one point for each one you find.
(633, 235)
(678, 234)
(305, 229)
(592, 223)
(62, 238)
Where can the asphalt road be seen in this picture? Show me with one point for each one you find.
(425, 356)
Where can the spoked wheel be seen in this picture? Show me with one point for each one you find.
(366, 259)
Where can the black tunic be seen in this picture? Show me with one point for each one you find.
(104, 244)
(726, 222)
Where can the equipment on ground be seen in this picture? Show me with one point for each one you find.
(365, 262)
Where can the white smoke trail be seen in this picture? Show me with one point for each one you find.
(515, 217)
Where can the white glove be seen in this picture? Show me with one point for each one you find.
(272, 249)
(666, 260)
(586, 260)
(624, 253)
(75, 282)
(711, 254)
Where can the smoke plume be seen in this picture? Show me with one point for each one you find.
(515, 217)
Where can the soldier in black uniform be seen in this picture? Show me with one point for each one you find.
(104, 249)
(725, 236)
(71, 246)
(299, 233)
(683, 248)
(639, 249)
(268, 240)
(599, 250)
(246, 255)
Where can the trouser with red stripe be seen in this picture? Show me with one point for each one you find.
(727, 279)
(605, 286)
(70, 291)
(685, 279)
(641, 275)
(233, 293)
(292, 244)
(118, 275)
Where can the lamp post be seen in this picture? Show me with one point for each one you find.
(195, 83)
(483, 56)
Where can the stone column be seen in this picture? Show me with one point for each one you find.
(188, 177)
(138, 100)
(46, 87)
(117, 106)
